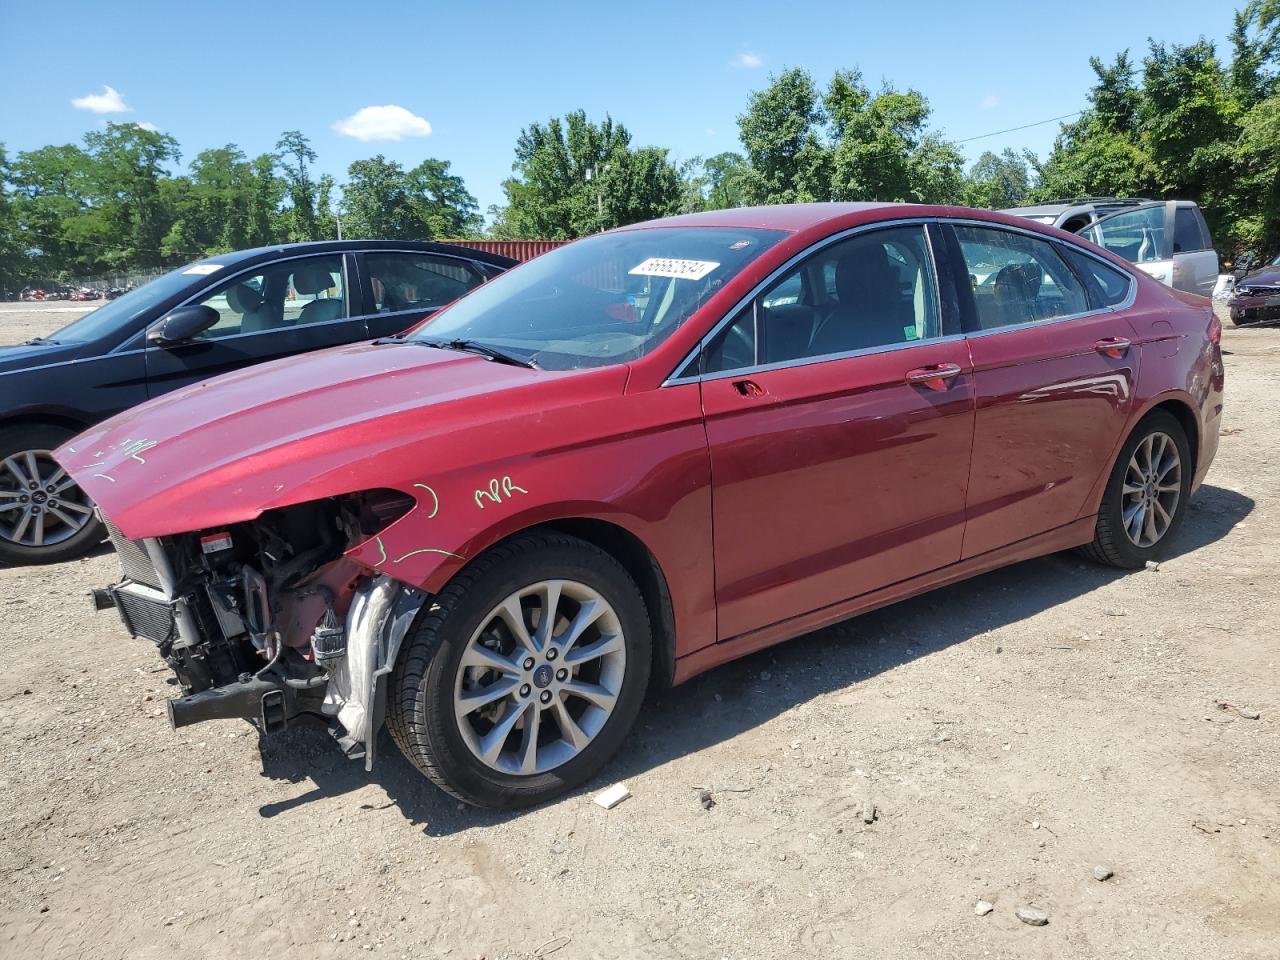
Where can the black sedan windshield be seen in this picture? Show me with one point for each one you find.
(606, 299)
(115, 314)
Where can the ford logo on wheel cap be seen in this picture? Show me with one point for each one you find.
(542, 676)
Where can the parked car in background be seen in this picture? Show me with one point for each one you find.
(203, 319)
(1256, 298)
(1168, 240)
(1075, 214)
(646, 453)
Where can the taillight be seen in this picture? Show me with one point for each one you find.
(1215, 328)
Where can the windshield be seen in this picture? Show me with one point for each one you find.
(115, 314)
(606, 299)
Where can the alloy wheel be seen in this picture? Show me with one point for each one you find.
(1151, 490)
(39, 504)
(540, 677)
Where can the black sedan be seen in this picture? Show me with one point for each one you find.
(203, 319)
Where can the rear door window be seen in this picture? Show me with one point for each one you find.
(1187, 235)
(418, 281)
(1017, 278)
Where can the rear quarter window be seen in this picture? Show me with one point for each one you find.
(1106, 285)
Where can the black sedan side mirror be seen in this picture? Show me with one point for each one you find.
(182, 324)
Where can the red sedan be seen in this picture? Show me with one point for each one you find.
(641, 455)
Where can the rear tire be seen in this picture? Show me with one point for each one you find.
(61, 525)
(1146, 496)
(532, 735)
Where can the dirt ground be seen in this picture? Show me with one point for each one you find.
(1014, 732)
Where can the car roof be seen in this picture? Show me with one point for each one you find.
(791, 217)
(349, 246)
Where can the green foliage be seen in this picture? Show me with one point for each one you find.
(998, 182)
(787, 158)
(847, 144)
(1185, 126)
(1182, 123)
(385, 202)
(575, 177)
(117, 203)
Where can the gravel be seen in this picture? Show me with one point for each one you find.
(261, 847)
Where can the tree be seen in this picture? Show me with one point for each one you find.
(998, 182)
(781, 131)
(882, 149)
(1103, 152)
(383, 201)
(296, 156)
(723, 174)
(376, 204)
(441, 202)
(576, 177)
(14, 253)
(127, 214)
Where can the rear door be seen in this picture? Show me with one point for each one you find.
(269, 311)
(839, 413)
(1053, 373)
(403, 287)
(1195, 262)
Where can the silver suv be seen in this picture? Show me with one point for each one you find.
(1167, 239)
(1076, 214)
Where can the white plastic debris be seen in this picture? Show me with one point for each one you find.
(613, 796)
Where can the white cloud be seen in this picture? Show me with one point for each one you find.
(989, 102)
(748, 60)
(388, 122)
(148, 125)
(108, 101)
(711, 132)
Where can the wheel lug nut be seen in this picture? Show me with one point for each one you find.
(546, 696)
(528, 663)
(525, 690)
(33, 485)
(562, 674)
(23, 499)
(551, 653)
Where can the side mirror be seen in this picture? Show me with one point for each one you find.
(182, 324)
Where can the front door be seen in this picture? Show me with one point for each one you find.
(275, 310)
(1054, 376)
(839, 413)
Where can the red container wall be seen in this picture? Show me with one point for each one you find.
(516, 249)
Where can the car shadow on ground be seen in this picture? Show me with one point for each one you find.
(755, 689)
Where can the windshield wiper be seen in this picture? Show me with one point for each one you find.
(483, 349)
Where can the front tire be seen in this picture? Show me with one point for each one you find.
(1146, 495)
(44, 516)
(504, 706)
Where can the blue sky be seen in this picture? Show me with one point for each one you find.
(676, 74)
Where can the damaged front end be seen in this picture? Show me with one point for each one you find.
(269, 620)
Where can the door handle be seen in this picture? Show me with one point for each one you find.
(934, 377)
(748, 388)
(1113, 346)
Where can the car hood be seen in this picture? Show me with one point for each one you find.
(31, 356)
(1266, 277)
(298, 429)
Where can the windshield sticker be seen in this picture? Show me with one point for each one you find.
(679, 269)
(202, 269)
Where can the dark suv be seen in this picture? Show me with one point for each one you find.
(203, 319)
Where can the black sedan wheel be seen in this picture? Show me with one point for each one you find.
(44, 516)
